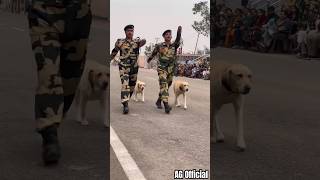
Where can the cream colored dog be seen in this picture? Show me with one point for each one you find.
(230, 83)
(139, 89)
(180, 87)
(94, 85)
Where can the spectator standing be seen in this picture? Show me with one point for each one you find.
(280, 39)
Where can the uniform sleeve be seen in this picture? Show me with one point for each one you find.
(154, 52)
(116, 49)
(178, 38)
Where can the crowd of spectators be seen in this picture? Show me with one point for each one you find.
(199, 69)
(292, 28)
(15, 6)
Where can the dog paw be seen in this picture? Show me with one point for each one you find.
(84, 123)
(178, 105)
(216, 141)
(220, 141)
(240, 149)
(185, 107)
(219, 138)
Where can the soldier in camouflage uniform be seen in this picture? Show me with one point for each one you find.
(167, 59)
(59, 31)
(128, 64)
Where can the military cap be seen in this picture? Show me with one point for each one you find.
(130, 26)
(166, 31)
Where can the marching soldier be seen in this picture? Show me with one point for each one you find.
(59, 31)
(167, 58)
(128, 64)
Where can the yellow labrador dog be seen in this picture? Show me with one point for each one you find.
(139, 89)
(180, 87)
(230, 83)
(94, 85)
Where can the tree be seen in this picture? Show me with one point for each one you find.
(148, 49)
(206, 50)
(200, 52)
(202, 26)
(203, 51)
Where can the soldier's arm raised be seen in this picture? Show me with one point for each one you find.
(178, 38)
(154, 53)
(115, 50)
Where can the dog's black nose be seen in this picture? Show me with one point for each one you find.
(246, 90)
(187, 90)
(104, 85)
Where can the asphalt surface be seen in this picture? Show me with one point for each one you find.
(160, 143)
(84, 149)
(281, 120)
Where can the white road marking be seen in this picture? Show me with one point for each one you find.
(128, 164)
(18, 29)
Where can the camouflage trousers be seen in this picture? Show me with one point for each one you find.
(128, 76)
(59, 35)
(165, 74)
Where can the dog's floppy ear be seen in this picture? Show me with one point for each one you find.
(181, 87)
(91, 78)
(230, 72)
(225, 75)
(225, 79)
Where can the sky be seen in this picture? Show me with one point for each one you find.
(152, 17)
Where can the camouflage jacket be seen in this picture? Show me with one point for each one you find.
(167, 53)
(129, 50)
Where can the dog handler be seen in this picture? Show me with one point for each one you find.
(128, 65)
(59, 31)
(167, 58)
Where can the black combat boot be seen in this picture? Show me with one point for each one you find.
(50, 144)
(167, 108)
(125, 108)
(158, 103)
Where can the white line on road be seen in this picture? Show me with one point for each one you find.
(128, 164)
(18, 29)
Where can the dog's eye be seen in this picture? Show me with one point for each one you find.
(240, 75)
(99, 74)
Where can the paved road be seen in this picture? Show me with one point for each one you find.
(281, 120)
(160, 143)
(84, 152)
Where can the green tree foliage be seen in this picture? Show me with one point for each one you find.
(202, 26)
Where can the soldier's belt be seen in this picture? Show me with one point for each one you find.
(127, 61)
(166, 63)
